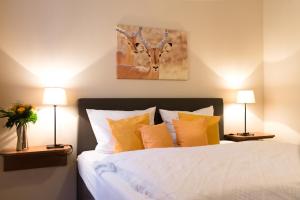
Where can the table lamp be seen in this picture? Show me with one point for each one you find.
(55, 97)
(245, 97)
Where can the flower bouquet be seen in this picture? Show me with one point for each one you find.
(20, 115)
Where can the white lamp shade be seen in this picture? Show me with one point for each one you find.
(55, 96)
(245, 96)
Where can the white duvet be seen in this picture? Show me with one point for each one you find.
(238, 171)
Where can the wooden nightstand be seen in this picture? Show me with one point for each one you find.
(35, 157)
(253, 136)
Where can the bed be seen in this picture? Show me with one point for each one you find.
(249, 170)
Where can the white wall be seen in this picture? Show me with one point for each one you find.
(282, 69)
(72, 43)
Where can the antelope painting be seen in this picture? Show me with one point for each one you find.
(151, 53)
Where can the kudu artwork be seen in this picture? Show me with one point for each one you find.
(151, 53)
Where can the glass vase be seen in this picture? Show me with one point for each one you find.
(22, 142)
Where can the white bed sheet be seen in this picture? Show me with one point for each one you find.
(107, 186)
(103, 187)
(237, 171)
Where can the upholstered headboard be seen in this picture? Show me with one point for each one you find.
(86, 138)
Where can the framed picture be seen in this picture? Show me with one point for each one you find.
(151, 53)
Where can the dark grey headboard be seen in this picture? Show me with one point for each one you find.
(86, 138)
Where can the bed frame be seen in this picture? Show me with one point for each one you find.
(87, 141)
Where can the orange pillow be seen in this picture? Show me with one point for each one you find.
(156, 136)
(191, 133)
(213, 136)
(126, 133)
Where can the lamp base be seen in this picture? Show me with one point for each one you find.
(53, 146)
(245, 134)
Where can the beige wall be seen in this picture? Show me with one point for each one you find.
(71, 44)
(282, 68)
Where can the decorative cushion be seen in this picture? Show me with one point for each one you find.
(213, 136)
(126, 132)
(156, 136)
(191, 133)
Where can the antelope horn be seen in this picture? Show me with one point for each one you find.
(145, 43)
(123, 32)
(127, 34)
(164, 40)
(138, 32)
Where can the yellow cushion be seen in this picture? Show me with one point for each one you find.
(126, 133)
(191, 133)
(213, 136)
(156, 136)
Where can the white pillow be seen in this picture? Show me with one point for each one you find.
(169, 115)
(101, 128)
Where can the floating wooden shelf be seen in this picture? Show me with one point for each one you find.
(35, 157)
(252, 136)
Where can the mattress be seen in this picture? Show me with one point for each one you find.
(234, 171)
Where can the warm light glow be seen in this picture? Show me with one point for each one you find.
(55, 96)
(234, 81)
(245, 96)
(234, 76)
